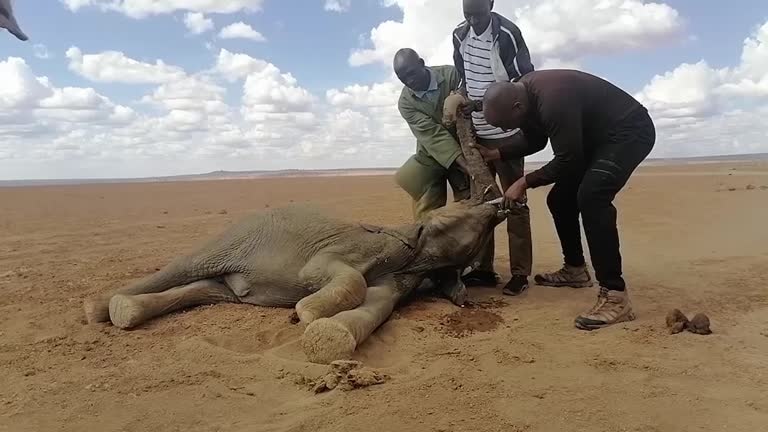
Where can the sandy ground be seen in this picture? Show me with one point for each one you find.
(519, 365)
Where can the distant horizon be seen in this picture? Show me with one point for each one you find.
(319, 172)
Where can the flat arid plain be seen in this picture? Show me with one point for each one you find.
(694, 237)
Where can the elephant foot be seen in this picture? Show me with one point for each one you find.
(125, 311)
(326, 340)
(96, 310)
(456, 293)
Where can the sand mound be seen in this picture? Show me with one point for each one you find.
(344, 375)
(501, 364)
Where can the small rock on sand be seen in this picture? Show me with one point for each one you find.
(700, 325)
(751, 187)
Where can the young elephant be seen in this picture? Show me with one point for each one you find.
(343, 278)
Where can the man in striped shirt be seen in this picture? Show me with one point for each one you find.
(489, 48)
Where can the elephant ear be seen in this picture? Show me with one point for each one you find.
(408, 234)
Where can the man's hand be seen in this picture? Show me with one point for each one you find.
(470, 106)
(515, 195)
(462, 163)
(489, 155)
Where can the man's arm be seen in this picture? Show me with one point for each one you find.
(458, 63)
(523, 57)
(565, 134)
(521, 61)
(435, 138)
(523, 144)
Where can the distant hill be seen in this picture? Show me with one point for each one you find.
(234, 175)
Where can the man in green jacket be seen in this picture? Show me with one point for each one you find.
(438, 159)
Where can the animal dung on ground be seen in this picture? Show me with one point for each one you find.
(677, 322)
(700, 325)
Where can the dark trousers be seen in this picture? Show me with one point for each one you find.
(591, 194)
(518, 221)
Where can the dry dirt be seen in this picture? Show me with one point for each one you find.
(694, 238)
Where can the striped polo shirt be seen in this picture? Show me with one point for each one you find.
(479, 76)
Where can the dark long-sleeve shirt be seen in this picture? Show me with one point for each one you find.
(575, 111)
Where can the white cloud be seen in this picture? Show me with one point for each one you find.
(197, 23)
(376, 95)
(41, 51)
(234, 66)
(241, 30)
(28, 100)
(144, 8)
(243, 112)
(114, 66)
(338, 5)
(702, 110)
(556, 31)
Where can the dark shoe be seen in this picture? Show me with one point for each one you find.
(480, 278)
(516, 286)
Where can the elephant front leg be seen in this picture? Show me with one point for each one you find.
(346, 289)
(336, 338)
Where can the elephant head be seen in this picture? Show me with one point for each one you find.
(452, 236)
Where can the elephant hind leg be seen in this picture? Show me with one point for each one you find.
(336, 338)
(128, 311)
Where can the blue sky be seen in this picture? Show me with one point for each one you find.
(314, 46)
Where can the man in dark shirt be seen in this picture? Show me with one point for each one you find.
(599, 135)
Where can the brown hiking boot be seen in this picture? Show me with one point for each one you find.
(612, 307)
(568, 276)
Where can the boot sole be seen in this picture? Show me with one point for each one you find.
(566, 284)
(627, 318)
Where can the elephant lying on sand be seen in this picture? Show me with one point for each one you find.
(343, 278)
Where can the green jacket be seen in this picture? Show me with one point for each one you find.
(436, 146)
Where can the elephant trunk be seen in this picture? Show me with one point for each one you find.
(483, 184)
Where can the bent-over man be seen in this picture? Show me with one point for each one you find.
(599, 135)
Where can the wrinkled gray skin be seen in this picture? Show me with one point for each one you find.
(343, 278)
(8, 20)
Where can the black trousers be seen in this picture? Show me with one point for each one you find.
(591, 195)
